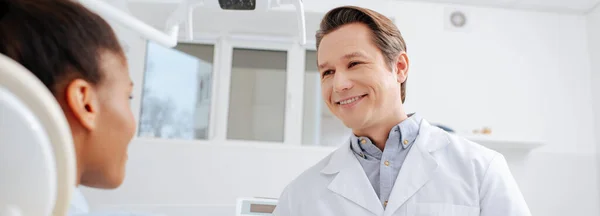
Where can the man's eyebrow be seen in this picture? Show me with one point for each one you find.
(353, 55)
(324, 65)
(347, 56)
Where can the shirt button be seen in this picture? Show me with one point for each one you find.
(405, 142)
(385, 203)
(387, 163)
(363, 141)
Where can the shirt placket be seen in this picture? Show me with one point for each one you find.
(387, 166)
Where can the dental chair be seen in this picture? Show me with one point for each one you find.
(37, 159)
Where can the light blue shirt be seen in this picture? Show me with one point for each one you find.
(79, 207)
(382, 167)
(79, 204)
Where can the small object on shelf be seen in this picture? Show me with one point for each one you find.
(486, 130)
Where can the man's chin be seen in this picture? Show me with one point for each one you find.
(354, 123)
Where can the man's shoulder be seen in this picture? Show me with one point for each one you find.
(455, 146)
(467, 153)
(470, 148)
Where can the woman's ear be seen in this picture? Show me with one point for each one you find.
(401, 67)
(81, 99)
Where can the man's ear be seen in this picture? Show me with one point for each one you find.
(82, 100)
(402, 67)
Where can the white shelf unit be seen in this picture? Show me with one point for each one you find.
(498, 142)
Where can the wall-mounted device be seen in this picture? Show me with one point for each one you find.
(252, 206)
(458, 19)
(184, 12)
(237, 4)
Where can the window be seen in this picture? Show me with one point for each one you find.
(176, 93)
(257, 95)
(320, 126)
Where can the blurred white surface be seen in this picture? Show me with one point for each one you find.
(37, 161)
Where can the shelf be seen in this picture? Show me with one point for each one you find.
(496, 142)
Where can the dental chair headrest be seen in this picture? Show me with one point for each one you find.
(37, 159)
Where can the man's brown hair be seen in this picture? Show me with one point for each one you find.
(386, 35)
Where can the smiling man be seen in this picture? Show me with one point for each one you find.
(394, 163)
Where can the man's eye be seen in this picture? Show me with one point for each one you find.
(327, 72)
(352, 64)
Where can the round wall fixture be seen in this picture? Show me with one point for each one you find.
(458, 19)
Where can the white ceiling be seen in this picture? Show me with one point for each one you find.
(283, 23)
(155, 12)
(561, 6)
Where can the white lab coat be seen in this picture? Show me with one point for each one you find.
(443, 175)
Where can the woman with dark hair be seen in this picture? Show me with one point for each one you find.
(76, 54)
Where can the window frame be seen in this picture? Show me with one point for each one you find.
(294, 83)
(213, 41)
(222, 65)
(138, 73)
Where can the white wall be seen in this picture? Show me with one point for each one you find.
(524, 74)
(593, 26)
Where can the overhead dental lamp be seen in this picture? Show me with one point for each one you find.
(183, 14)
(37, 160)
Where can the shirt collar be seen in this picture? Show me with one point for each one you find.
(405, 132)
(409, 130)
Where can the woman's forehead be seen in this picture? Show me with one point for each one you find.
(114, 66)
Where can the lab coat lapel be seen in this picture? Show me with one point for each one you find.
(351, 182)
(418, 168)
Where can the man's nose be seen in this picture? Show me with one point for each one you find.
(341, 81)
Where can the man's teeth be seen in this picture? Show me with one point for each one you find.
(350, 100)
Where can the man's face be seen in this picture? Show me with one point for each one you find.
(357, 84)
